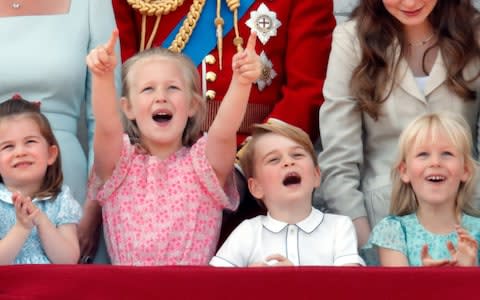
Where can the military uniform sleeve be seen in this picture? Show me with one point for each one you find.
(309, 39)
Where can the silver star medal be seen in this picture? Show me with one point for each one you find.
(268, 73)
(264, 22)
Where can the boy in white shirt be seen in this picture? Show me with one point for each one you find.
(282, 170)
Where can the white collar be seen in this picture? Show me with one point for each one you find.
(307, 225)
(6, 195)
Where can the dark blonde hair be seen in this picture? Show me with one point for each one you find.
(17, 107)
(192, 130)
(456, 23)
(424, 129)
(247, 160)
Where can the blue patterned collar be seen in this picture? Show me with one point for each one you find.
(6, 195)
(307, 225)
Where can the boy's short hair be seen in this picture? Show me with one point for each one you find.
(247, 160)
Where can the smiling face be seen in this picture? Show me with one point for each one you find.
(284, 171)
(410, 13)
(435, 168)
(24, 154)
(160, 101)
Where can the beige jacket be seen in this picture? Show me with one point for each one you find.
(358, 152)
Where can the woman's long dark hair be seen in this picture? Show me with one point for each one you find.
(456, 23)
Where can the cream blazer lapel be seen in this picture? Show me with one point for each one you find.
(438, 74)
(405, 79)
(407, 82)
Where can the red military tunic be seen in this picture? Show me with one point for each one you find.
(299, 53)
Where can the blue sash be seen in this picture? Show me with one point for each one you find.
(204, 38)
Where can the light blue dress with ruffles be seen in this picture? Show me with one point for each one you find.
(406, 235)
(63, 209)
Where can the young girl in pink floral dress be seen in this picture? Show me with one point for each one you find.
(163, 186)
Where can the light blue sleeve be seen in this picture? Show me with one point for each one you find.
(389, 233)
(102, 23)
(69, 211)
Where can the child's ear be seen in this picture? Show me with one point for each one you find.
(318, 176)
(467, 173)
(402, 170)
(127, 108)
(192, 110)
(52, 154)
(255, 188)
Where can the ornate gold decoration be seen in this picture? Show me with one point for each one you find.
(159, 8)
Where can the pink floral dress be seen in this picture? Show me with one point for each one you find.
(163, 212)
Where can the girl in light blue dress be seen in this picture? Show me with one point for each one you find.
(431, 222)
(38, 216)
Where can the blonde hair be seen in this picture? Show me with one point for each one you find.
(192, 130)
(247, 161)
(424, 129)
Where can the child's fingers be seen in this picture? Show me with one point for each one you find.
(451, 248)
(252, 41)
(110, 45)
(104, 57)
(424, 252)
(94, 63)
(276, 256)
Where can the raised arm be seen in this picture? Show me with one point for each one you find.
(101, 22)
(221, 145)
(107, 140)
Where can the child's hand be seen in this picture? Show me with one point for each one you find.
(25, 211)
(246, 65)
(102, 59)
(466, 252)
(274, 260)
(278, 260)
(428, 261)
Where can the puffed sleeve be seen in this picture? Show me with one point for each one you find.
(310, 29)
(389, 233)
(102, 23)
(346, 243)
(69, 211)
(235, 250)
(341, 130)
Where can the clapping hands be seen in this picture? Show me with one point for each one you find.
(246, 64)
(465, 254)
(25, 211)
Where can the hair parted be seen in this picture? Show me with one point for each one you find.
(19, 107)
(192, 130)
(247, 161)
(425, 129)
(381, 36)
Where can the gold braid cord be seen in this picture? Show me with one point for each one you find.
(188, 26)
(233, 5)
(159, 8)
(153, 8)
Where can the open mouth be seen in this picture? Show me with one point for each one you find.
(291, 179)
(436, 178)
(162, 117)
